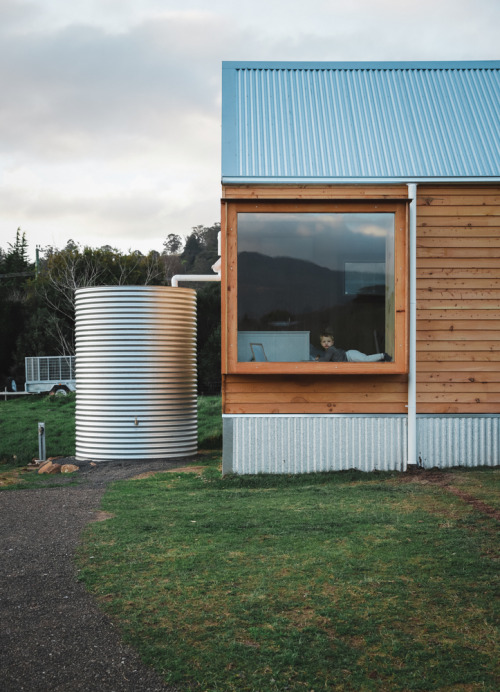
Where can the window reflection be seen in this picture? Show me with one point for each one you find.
(304, 274)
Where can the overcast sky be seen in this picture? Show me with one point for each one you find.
(110, 109)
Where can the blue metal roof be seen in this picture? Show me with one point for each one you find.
(307, 122)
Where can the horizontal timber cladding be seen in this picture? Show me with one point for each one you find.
(310, 394)
(458, 299)
(315, 192)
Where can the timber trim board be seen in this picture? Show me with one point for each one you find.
(231, 208)
(314, 191)
(305, 200)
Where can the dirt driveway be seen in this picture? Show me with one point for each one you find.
(52, 634)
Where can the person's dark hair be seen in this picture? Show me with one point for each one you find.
(327, 331)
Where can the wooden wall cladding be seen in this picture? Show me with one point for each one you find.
(458, 299)
(315, 192)
(311, 394)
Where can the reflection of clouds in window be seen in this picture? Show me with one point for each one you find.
(305, 230)
(375, 225)
(326, 240)
(375, 231)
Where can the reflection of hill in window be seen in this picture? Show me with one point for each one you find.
(365, 278)
(293, 286)
(376, 290)
(267, 284)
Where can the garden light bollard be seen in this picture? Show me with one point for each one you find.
(41, 441)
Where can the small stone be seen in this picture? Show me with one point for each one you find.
(69, 468)
(49, 467)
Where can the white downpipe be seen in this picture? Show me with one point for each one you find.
(193, 277)
(412, 373)
(174, 281)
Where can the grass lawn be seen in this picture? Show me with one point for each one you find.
(343, 581)
(19, 418)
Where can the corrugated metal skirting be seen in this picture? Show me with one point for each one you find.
(446, 441)
(306, 444)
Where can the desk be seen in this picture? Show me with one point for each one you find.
(284, 347)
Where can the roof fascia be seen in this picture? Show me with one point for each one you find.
(231, 180)
(396, 65)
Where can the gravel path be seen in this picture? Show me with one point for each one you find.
(52, 634)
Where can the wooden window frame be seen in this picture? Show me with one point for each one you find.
(230, 210)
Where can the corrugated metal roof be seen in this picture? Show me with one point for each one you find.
(359, 121)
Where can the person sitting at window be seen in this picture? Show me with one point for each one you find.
(338, 355)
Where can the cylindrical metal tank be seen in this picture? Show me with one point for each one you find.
(135, 373)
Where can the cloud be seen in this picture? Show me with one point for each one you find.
(110, 111)
(82, 91)
(114, 135)
(64, 94)
(108, 205)
(15, 15)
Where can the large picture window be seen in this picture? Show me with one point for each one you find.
(317, 286)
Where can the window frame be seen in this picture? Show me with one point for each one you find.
(230, 210)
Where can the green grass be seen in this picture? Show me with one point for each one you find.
(342, 581)
(19, 418)
(209, 422)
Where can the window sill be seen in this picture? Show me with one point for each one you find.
(317, 368)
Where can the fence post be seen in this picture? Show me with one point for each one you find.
(41, 441)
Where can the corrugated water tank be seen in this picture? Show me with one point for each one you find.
(135, 373)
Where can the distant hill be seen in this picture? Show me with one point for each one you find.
(285, 284)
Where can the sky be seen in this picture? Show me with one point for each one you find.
(110, 109)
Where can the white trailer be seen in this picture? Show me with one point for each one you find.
(55, 374)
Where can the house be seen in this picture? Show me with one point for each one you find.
(362, 200)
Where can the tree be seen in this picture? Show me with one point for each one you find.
(38, 313)
(200, 250)
(16, 259)
(172, 244)
(64, 271)
(199, 254)
(209, 338)
(15, 273)
(191, 251)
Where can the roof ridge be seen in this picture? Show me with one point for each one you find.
(368, 65)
